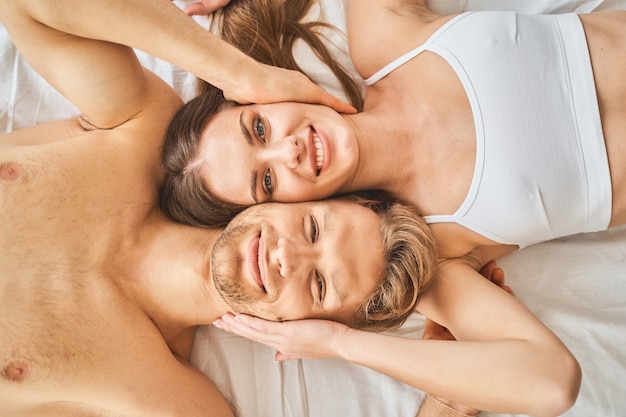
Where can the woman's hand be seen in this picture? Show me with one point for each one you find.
(254, 82)
(298, 339)
(270, 84)
(495, 274)
(204, 7)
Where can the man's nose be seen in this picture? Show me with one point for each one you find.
(291, 258)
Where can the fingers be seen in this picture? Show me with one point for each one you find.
(270, 84)
(493, 273)
(205, 7)
(497, 276)
(319, 95)
(336, 104)
(245, 320)
(430, 328)
(488, 269)
(258, 330)
(196, 9)
(507, 289)
(435, 331)
(280, 357)
(240, 325)
(296, 86)
(250, 327)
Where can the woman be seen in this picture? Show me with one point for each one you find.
(453, 116)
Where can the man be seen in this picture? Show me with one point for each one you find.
(95, 298)
(99, 292)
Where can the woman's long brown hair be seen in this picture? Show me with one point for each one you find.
(268, 29)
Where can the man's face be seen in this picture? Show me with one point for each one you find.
(303, 260)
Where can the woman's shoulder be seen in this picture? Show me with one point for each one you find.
(379, 32)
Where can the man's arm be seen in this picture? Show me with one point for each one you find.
(104, 80)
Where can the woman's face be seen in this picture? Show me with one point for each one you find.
(288, 152)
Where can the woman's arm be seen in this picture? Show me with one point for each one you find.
(433, 406)
(161, 29)
(506, 360)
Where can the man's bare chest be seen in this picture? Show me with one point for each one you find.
(68, 337)
(51, 315)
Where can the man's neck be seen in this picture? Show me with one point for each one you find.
(171, 278)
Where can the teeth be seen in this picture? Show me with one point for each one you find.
(319, 152)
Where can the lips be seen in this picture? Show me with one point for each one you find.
(255, 260)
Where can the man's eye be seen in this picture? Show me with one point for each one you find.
(320, 285)
(259, 128)
(268, 186)
(314, 230)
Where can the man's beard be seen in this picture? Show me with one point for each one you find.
(226, 270)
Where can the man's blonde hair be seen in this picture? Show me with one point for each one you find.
(410, 259)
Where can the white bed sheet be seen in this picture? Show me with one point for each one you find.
(575, 285)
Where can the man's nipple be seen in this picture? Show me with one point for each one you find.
(16, 371)
(9, 171)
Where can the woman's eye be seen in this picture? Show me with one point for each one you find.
(320, 286)
(268, 186)
(314, 230)
(259, 128)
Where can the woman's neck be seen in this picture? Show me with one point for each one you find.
(392, 152)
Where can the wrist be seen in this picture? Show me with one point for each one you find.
(345, 344)
(241, 81)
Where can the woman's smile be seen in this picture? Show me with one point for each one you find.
(320, 158)
(291, 158)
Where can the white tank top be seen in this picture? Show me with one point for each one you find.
(541, 166)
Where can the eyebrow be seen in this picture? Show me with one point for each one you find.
(253, 181)
(339, 297)
(329, 217)
(254, 176)
(244, 129)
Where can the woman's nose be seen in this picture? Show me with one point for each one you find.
(287, 152)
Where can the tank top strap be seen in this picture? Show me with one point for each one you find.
(387, 69)
(401, 60)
